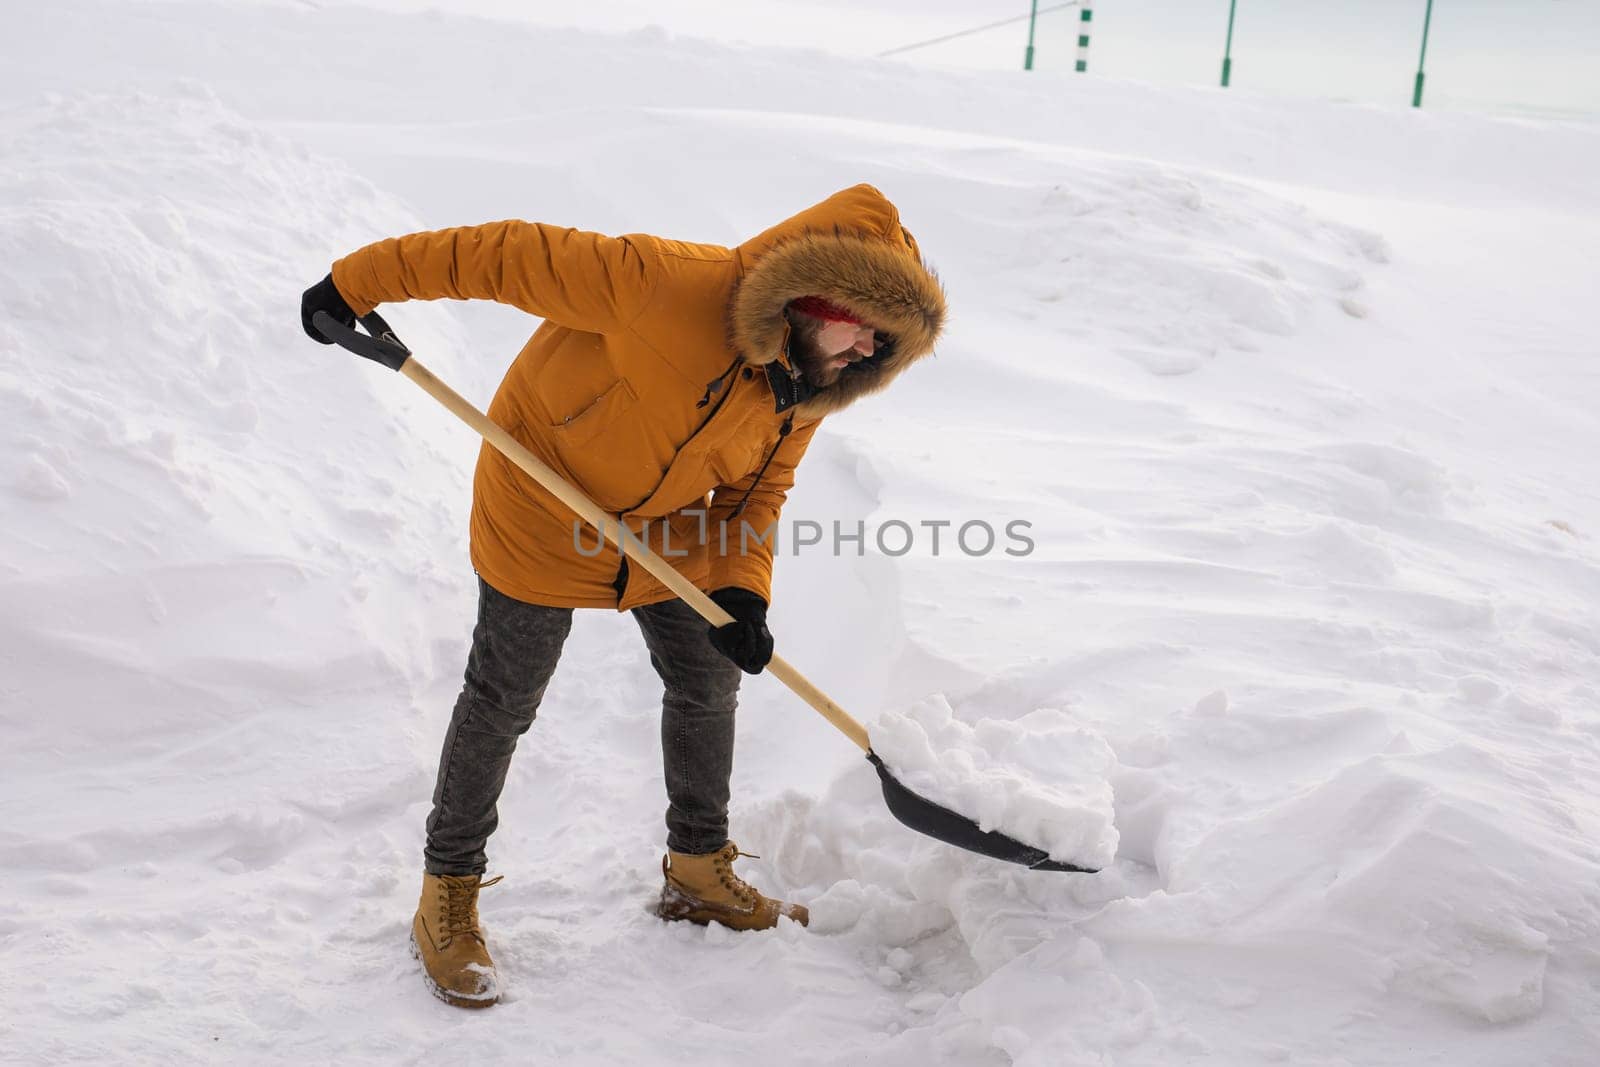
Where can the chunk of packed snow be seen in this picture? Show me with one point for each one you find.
(1041, 779)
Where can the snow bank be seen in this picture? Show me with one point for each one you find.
(161, 416)
(185, 555)
(1039, 779)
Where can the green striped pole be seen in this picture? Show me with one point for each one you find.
(1227, 52)
(1085, 18)
(1427, 20)
(1033, 16)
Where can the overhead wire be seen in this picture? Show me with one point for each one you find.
(973, 30)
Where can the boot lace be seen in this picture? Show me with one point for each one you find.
(735, 885)
(458, 906)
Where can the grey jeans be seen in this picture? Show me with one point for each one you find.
(515, 647)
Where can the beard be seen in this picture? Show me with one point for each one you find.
(819, 369)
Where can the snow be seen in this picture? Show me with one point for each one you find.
(1038, 779)
(1298, 399)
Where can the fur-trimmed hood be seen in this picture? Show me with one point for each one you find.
(850, 250)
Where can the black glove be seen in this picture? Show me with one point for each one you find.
(324, 297)
(746, 640)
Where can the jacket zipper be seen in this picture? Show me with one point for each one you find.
(783, 431)
(713, 388)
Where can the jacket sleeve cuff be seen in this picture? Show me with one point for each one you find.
(352, 276)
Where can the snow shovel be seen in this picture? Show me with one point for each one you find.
(915, 811)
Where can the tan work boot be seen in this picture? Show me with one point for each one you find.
(446, 937)
(704, 889)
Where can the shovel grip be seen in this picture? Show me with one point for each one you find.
(382, 346)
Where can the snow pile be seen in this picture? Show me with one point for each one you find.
(162, 418)
(1170, 269)
(1038, 779)
(1272, 896)
(198, 588)
(986, 958)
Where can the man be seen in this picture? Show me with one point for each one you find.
(678, 385)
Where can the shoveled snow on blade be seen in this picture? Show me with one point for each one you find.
(1041, 779)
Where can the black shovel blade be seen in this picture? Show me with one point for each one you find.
(937, 821)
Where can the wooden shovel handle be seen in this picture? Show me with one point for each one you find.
(612, 529)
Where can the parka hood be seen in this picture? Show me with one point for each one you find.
(851, 250)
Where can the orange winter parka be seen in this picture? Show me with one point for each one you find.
(658, 383)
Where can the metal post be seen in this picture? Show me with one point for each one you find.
(1085, 23)
(1227, 52)
(1033, 16)
(1427, 20)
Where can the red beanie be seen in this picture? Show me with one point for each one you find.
(826, 310)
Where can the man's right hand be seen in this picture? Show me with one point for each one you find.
(324, 296)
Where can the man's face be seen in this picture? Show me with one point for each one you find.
(822, 350)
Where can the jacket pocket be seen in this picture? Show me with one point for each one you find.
(733, 462)
(600, 414)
